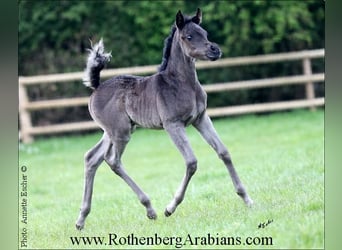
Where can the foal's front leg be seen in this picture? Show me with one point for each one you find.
(178, 136)
(207, 130)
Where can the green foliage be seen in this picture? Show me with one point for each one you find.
(280, 159)
(53, 35)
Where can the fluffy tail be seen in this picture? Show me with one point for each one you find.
(97, 59)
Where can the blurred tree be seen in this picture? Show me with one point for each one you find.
(53, 35)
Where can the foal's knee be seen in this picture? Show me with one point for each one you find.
(112, 161)
(87, 156)
(224, 156)
(90, 161)
(114, 164)
(116, 168)
(191, 166)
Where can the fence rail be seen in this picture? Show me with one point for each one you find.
(308, 78)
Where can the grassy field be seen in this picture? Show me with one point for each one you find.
(280, 159)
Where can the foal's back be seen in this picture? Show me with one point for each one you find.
(126, 98)
(146, 101)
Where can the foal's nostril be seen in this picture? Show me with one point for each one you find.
(213, 51)
(213, 48)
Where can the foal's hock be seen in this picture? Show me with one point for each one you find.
(171, 99)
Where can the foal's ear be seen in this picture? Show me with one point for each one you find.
(198, 17)
(180, 20)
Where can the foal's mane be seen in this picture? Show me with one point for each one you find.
(167, 48)
(168, 44)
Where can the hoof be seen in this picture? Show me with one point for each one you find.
(167, 213)
(79, 226)
(249, 202)
(151, 215)
(245, 197)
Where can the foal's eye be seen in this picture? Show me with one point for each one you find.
(189, 37)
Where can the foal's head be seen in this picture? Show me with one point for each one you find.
(193, 38)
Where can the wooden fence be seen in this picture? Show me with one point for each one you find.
(27, 130)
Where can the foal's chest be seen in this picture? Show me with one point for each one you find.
(187, 103)
(199, 104)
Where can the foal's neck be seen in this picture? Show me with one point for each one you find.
(180, 65)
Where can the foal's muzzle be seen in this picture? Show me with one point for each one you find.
(214, 52)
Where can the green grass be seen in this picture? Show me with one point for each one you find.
(279, 157)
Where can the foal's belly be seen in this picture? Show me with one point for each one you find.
(143, 112)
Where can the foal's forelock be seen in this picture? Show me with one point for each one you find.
(168, 40)
(192, 39)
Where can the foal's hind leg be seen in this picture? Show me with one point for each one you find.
(113, 159)
(92, 160)
(207, 130)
